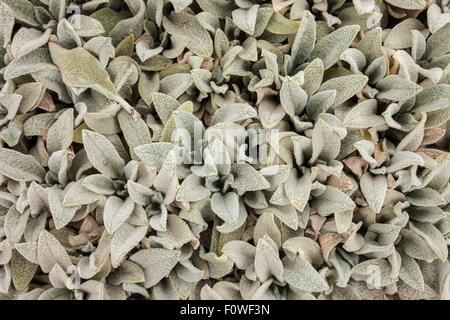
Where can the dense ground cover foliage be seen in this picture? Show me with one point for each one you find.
(224, 149)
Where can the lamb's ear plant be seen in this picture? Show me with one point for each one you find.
(224, 149)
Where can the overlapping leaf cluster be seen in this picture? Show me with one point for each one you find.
(126, 129)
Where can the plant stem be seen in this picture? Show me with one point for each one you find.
(135, 115)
